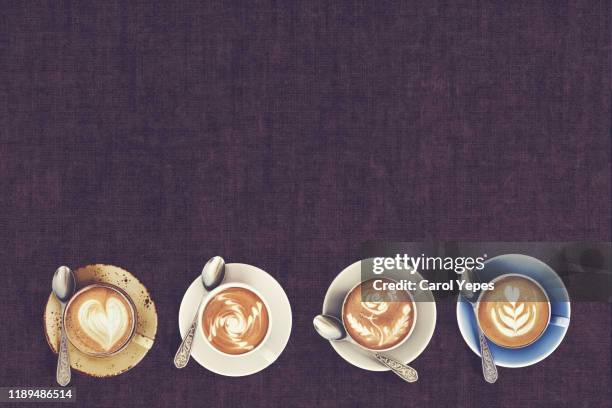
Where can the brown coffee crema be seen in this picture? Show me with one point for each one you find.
(376, 324)
(99, 321)
(235, 321)
(515, 313)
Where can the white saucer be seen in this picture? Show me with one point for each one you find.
(407, 352)
(280, 311)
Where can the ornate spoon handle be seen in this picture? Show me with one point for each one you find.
(489, 370)
(404, 371)
(62, 374)
(184, 351)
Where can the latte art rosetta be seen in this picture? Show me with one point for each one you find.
(513, 318)
(515, 313)
(235, 321)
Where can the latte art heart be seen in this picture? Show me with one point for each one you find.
(105, 324)
(99, 320)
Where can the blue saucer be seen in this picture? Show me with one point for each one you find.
(560, 311)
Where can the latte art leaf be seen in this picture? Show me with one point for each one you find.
(513, 319)
(358, 327)
(374, 323)
(515, 313)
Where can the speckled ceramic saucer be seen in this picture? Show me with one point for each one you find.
(145, 331)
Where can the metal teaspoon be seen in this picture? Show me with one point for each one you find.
(489, 370)
(63, 285)
(330, 328)
(212, 276)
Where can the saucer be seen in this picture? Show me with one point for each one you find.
(280, 310)
(138, 347)
(409, 350)
(559, 304)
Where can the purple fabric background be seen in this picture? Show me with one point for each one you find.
(153, 136)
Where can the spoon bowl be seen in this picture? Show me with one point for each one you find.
(63, 284)
(213, 273)
(469, 277)
(329, 327)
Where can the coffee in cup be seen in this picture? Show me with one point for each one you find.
(515, 313)
(100, 320)
(377, 319)
(235, 320)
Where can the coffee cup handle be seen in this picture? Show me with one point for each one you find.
(142, 341)
(560, 321)
(267, 354)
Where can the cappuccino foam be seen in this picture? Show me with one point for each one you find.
(373, 320)
(235, 321)
(515, 313)
(99, 321)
